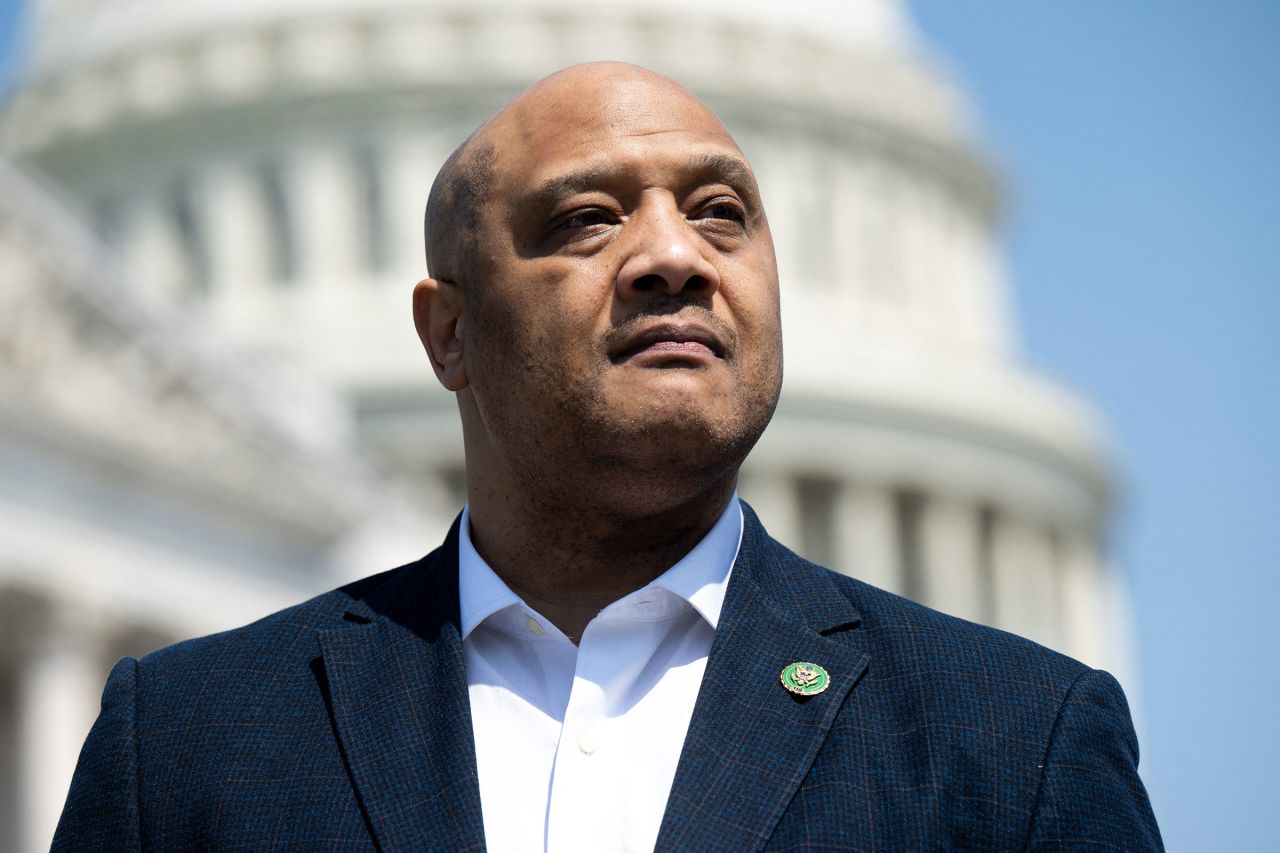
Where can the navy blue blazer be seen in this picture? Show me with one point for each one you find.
(344, 724)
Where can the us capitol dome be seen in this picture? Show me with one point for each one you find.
(213, 403)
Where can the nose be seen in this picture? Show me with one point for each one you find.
(666, 258)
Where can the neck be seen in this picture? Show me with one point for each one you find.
(570, 558)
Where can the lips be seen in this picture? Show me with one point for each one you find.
(690, 340)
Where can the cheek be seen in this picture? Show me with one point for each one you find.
(540, 326)
(753, 303)
(566, 306)
(759, 328)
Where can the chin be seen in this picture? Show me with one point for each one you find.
(673, 437)
(673, 424)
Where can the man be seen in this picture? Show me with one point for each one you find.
(608, 651)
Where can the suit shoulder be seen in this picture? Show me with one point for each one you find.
(889, 613)
(910, 633)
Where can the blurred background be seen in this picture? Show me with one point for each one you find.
(1024, 251)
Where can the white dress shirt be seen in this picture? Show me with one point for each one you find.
(577, 746)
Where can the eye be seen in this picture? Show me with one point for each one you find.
(586, 218)
(723, 209)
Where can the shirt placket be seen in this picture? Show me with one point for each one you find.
(579, 812)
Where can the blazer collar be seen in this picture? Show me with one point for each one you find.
(396, 685)
(750, 742)
(395, 681)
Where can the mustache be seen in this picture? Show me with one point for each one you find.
(684, 312)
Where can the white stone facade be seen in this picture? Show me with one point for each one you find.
(214, 403)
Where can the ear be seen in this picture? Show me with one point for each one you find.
(438, 315)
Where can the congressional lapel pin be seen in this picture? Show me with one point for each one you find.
(805, 679)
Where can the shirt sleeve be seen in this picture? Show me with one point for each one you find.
(1090, 794)
(101, 812)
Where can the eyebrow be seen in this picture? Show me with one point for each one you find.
(553, 189)
(728, 169)
(704, 168)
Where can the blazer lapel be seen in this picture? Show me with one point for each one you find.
(750, 742)
(397, 688)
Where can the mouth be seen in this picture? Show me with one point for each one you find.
(670, 342)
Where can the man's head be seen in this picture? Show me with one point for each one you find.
(604, 294)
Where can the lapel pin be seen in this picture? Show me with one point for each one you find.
(805, 679)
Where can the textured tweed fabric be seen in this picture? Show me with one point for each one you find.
(343, 724)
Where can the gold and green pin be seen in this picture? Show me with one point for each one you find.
(805, 679)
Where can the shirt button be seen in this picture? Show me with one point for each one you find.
(587, 743)
(533, 626)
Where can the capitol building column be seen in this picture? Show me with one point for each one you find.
(775, 496)
(866, 534)
(238, 236)
(323, 187)
(950, 547)
(1087, 633)
(1026, 599)
(59, 689)
(152, 253)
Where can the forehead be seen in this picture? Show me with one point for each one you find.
(618, 122)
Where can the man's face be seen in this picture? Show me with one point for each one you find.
(622, 300)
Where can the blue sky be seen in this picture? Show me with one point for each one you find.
(1141, 141)
(1141, 144)
(10, 15)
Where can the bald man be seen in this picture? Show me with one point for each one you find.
(607, 652)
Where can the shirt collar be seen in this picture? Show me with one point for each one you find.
(700, 577)
(481, 593)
